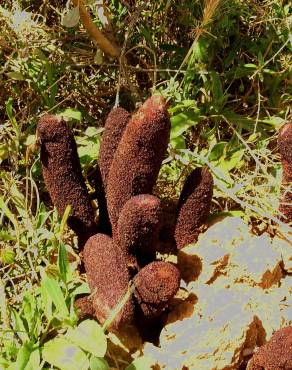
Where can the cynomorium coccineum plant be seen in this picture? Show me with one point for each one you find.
(121, 247)
(285, 148)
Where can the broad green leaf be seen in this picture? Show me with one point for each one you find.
(82, 289)
(92, 131)
(34, 360)
(23, 356)
(65, 355)
(98, 363)
(65, 218)
(185, 104)
(7, 256)
(181, 122)
(246, 122)
(217, 151)
(141, 363)
(274, 121)
(98, 57)
(232, 161)
(54, 291)
(18, 326)
(71, 113)
(217, 90)
(15, 76)
(200, 50)
(63, 262)
(87, 153)
(71, 18)
(89, 329)
(46, 302)
(30, 140)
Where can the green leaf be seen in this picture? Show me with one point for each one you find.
(234, 159)
(251, 66)
(46, 302)
(183, 121)
(9, 111)
(200, 50)
(65, 218)
(217, 151)
(18, 326)
(54, 291)
(63, 262)
(98, 57)
(92, 131)
(217, 90)
(30, 140)
(7, 256)
(82, 289)
(89, 329)
(65, 355)
(71, 113)
(141, 363)
(98, 363)
(34, 360)
(71, 18)
(16, 76)
(4, 152)
(23, 356)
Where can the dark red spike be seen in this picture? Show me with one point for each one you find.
(63, 177)
(194, 206)
(138, 227)
(108, 279)
(285, 148)
(138, 158)
(156, 284)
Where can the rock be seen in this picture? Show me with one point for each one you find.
(256, 263)
(218, 335)
(242, 258)
(235, 298)
(207, 259)
(284, 247)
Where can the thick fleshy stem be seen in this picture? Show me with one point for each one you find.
(139, 155)
(63, 177)
(156, 284)
(115, 125)
(138, 228)
(194, 206)
(108, 279)
(285, 148)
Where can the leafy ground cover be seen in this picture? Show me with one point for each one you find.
(225, 68)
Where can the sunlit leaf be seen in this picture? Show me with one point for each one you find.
(98, 363)
(89, 329)
(141, 363)
(65, 355)
(54, 291)
(71, 18)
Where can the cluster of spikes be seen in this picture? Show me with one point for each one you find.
(120, 247)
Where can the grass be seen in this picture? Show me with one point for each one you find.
(224, 66)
